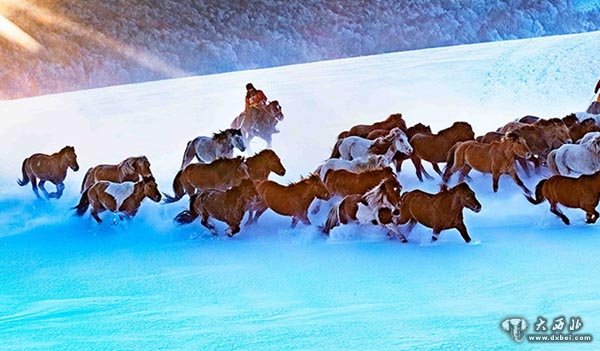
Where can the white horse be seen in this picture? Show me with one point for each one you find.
(354, 147)
(576, 159)
(220, 145)
(372, 162)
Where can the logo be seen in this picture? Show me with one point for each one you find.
(515, 327)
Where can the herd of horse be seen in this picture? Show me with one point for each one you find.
(361, 174)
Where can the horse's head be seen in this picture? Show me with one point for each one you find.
(275, 110)
(70, 158)
(554, 131)
(151, 189)
(401, 141)
(467, 197)
(141, 166)
(273, 162)
(237, 139)
(395, 120)
(318, 187)
(570, 119)
(517, 144)
(391, 188)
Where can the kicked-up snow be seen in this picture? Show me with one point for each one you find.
(67, 283)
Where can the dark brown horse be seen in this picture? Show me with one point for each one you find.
(362, 130)
(262, 124)
(292, 200)
(578, 130)
(227, 206)
(378, 206)
(582, 192)
(439, 211)
(122, 198)
(131, 169)
(52, 168)
(219, 174)
(496, 158)
(434, 148)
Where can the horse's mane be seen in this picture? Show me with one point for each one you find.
(455, 125)
(382, 144)
(226, 133)
(376, 194)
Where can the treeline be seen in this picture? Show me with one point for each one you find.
(89, 43)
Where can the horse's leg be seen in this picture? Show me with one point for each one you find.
(464, 172)
(268, 139)
(294, 221)
(233, 229)
(34, 186)
(261, 207)
(316, 207)
(524, 165)
(95, 213)
(418, 167)
(44, 191)
(591, 215)
(436, 168)
(463, 232)
(435, 235)
(554, 209)
(205, 222)
(304, 219)
(495, 180)
(409, 227)
(515, 177)
(60, 188)
(537, 164)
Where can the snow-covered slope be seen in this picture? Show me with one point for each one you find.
(67, 283)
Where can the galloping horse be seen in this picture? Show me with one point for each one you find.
(439, 211)
(292, 200)
(434, 148)
(496, 158)
(207, 149)
(52, 168)
(377, 206)
(362, 130)
(263, 125)
(228, 206)
(123, 198)
(219, 174)
(355, 147)
(372, 162)
(131, 169)
(581, 192)
(576, 159)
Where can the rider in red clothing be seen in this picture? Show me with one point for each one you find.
(255, 99)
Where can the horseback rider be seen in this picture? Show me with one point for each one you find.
(256, 101)
(595, 105)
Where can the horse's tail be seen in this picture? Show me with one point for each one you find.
(188, 154)
(25, 178)
(188, 216)
(450, 163)
(83, 204)
(177, 189)
(539, 197)
(333, 219)
(85, 179)
(551, 162)
(335, 153)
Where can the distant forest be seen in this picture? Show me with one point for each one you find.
(89, 43)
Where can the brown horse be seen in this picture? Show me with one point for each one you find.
(490, 137)
(579, 129)
(52, 168)
(227, 206)
(362, 130)
(263, 163)
(122, 198)
(568, 120)
(262, 124)
(292, 200)
(131, 169)
(581, 192)
(434, 148)
(219, 174)
(343, 182)
(439, 211)
(496, 158)
(378, 206)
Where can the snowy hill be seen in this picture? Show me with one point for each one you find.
(67, 283)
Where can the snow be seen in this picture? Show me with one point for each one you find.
(67, 283)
